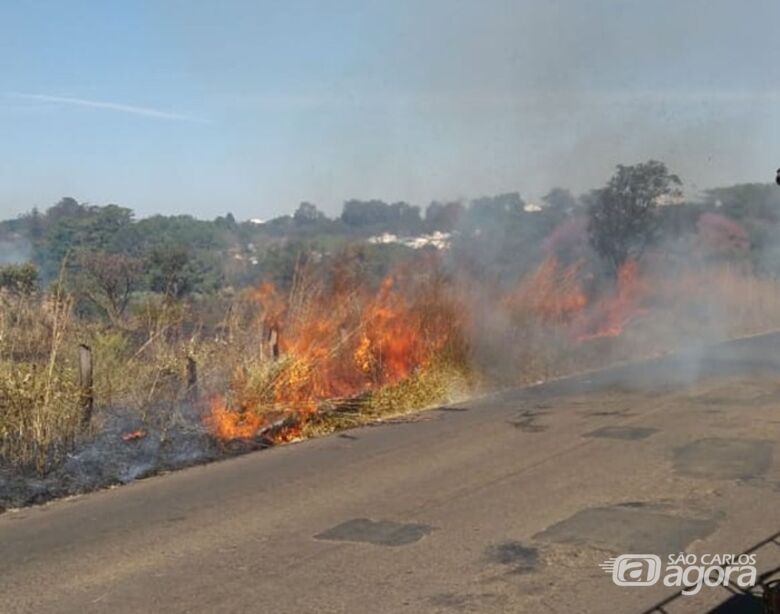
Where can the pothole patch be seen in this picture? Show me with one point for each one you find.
(627, 529)
(724, 459)
(629, 433)
(519, 557)
(526, 421)
(377, 532)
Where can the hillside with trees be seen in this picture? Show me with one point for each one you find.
(109, 254)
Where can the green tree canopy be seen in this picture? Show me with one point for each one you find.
(622, 218)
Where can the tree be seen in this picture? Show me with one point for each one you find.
(228, 221)
(747, 200)
(35, 225)
(560, 200)
(497, 208)
(405, 218)
(361, 214)
(177, 270)
(622, 218)
(67, 208)
(444, 216)
(19, 278)
(70, 226)
(108, 280)
(377, 216)
(169, 271)
(307, 213)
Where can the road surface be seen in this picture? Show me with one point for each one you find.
(502, 504)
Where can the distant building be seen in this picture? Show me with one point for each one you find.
(437, 239)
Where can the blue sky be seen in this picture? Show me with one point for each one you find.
(251, 107)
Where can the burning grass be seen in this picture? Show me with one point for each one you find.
(562, 319)
(336, 350)
(336, 354)
(337, 347)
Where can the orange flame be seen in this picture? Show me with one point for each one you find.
(333, 345)
(611, 314)
(555, 295)
(226, 424)
(552, 293)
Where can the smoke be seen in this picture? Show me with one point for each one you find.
(542, 304)
(446, 99)
(14, 250)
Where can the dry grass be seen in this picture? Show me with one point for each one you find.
(138, 368)
(39, 401)
(439, 383)
(348, 356)
(40, 414)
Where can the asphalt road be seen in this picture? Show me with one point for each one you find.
(503, 504)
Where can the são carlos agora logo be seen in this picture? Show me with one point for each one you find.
(684, 570)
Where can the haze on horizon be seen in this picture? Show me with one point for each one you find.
(252, 107)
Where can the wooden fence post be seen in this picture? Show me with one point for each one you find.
(273, 341)
(86, 387)
(192, 379)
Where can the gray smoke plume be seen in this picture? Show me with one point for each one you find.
(14, 250)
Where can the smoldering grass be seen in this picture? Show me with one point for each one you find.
(438, 383)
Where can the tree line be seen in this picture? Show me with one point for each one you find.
(108, 255)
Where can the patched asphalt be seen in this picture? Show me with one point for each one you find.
(507, 503)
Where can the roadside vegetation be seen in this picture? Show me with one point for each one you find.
(265, 333)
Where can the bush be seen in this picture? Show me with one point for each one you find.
(19, 278)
